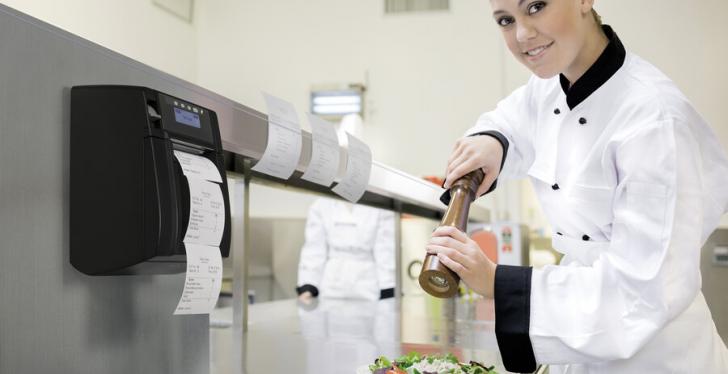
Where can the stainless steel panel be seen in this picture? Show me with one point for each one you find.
(339, 336)
(53, 319)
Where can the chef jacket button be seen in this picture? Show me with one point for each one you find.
(585, 237)
(559, 233)
(555, 186)
(582, 121)
(557, 111)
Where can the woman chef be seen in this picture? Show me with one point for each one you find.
(349, 249)
(632, 180)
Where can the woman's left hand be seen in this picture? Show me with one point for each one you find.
(463, 256)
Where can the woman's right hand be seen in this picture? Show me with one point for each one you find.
(471, 153)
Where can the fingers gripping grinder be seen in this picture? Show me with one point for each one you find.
(435, 278)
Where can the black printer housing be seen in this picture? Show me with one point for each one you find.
(130, 201)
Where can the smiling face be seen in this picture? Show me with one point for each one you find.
(550, 36)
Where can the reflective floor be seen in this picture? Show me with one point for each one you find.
(340, 336)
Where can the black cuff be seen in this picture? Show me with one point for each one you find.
(445, 198)
(386, 293)
(501, 139)
(512, 317)
(307, 287)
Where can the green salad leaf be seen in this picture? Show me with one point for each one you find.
(451, 358)
(382, 362)
(406, 362)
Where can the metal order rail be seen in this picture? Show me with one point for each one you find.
(245, 137)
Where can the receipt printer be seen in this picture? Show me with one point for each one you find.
(147, 181)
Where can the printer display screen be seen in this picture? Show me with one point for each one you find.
(187, 118)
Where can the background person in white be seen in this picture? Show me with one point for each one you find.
(632, 180)
(349, 248)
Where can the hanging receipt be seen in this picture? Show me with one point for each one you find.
(358, 169)
(203, 280)
(204, 232)
(324, 152)
(284, 140)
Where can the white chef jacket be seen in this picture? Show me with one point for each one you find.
(348, 253)
(633, 181)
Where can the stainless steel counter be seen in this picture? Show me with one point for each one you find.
(339, 336)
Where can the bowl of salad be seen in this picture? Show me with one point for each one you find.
(415, 363)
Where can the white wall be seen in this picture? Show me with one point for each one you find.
(430, 75)
(135, 28)
(276, 202)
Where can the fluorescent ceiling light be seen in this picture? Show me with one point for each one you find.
(337, 109)
(337, 103)
(336, 100)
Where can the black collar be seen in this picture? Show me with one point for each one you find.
(604, 67)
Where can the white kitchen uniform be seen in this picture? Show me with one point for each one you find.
(633, 181)
(349, 250)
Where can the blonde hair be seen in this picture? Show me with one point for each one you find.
(597, 17)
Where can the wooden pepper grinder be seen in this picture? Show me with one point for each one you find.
(435, 278)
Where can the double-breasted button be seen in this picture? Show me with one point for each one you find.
(582, 121)
(585, 237)
(557, 111)
(555, 186)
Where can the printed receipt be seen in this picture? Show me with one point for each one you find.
(284, 139)
(204, 232)
(207, 213)
(197, 167)
(358, 169)
(324, 152)
(203, 280)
